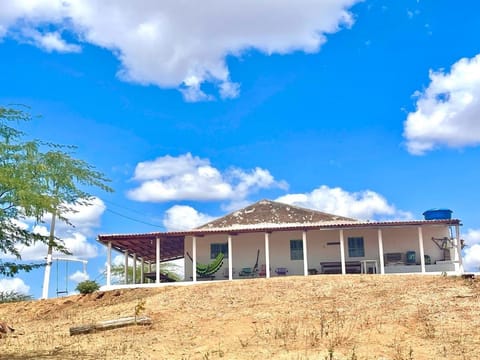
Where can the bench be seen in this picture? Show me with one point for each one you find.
(394, 258)
(335, 267)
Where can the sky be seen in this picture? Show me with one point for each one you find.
(367, 109)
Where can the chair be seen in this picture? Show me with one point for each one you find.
(246, 272)
(263, 270)
(282, 271)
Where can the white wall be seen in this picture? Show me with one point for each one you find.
(245, 247)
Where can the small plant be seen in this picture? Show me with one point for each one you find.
(139, 308)
(87, 287)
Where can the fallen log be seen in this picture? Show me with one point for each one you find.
(110, 324)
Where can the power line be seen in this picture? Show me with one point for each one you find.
(132, 219)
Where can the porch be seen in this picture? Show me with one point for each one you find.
(360, 248)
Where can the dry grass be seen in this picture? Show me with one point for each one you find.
(318, 317)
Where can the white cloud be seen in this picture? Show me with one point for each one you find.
(180, 217)
(15, 284)
(471, 257)
(53, 42)
(447, 110)
(78, 276)
(362, 205)
(84, 218)
(173, 43)
(190, 178)
(118, 260)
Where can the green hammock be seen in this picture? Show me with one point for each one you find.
(205, 270)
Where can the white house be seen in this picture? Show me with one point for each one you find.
(268, 239)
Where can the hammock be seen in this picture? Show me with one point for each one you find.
(206, 270)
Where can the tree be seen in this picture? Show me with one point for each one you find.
(37, 179)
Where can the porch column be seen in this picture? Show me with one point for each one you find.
(342, 252)
(422, 252)
(109, 263)
(142, 271)
(380, 251)
(267, 255)
(230, 258)
(134, 272)
(194, 259)
(157, 259)
(459, 260)
(149, 270)
(125, 272)
(305, 254)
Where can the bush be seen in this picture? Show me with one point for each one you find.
(87, 287)
(13, 296)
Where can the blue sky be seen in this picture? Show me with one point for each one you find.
(193, 109)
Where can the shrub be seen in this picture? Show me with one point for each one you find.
(13, 296)
(87, 287)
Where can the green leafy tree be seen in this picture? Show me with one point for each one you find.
(37, 179)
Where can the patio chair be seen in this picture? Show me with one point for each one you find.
(281, 271)
(263, 270)
(246, 272)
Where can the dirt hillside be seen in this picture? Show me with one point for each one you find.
(317, 317)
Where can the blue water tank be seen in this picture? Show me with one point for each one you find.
(437, 214)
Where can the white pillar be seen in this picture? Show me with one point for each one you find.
(267, 255)
(305, 254)
(342, 252)
(422, 252)
(149, 270)
(46, 278)
(194, 260)
(380, 251)
(109, 263)
(125, 272)
(142, 271)
(230, 258)
(459, 260)
(157, 259)
(134, 270)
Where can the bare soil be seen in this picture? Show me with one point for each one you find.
(316, 317)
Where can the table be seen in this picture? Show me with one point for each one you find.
(365, 265)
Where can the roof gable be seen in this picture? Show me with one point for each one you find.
(272, 212)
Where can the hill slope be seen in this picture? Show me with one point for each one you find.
(318, 317)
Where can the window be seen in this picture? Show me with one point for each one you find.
(356, 247)
(215, 249)
(296, 250)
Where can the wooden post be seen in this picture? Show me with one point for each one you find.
(110, 324)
